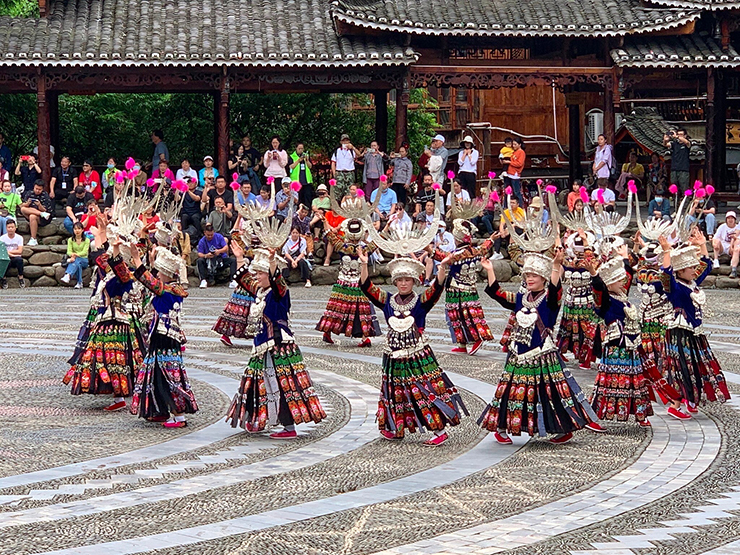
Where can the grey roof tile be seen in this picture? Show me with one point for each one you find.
(647, 127)
(586, 18)
(700, 4)
(191, 32)
(679, 52)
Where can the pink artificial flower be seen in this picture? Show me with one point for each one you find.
(688, 192)
(551, 189)
(235, 185)
(384, 178)
(150, 183)
(450, 175)
(120, 177)
(508, 191)
(130, 163)
(697, 185)
(360, 193)
(332, 183)
(132, 174)
(600, 196)
(270, 180)
(710, 189)
(673, 189)
(701, 192)
(234, 176)
(631, 186)
(539, 182)
(491, 175)
(495, 197)
(584, 194)
(295, 186)
(436, 186)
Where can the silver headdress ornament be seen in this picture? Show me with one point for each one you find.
(535, 236)
(684, 257)
(578, 219)
(538, 264)
(261, 261)
(461, 212)
(653, 228)
(405, 267)
(124, 220)
(612, 271)
(271, 233)
(253, 211)
(355, 212)
(682, 218)
(607, 226)
(167, 262)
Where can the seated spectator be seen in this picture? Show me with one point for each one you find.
(90, 180)
(458, 193)
(77, 203)
(320, 206)
(283, 199)
(444, 241)
(385, 204)
(213, 256)
(610, 201)
(14, 244)
(149, 220)
(207, 173)
(514, 214)
(245, 194)
(630, 170)
(726, 242)
(660, 207)
(38, 208)
(63, 181)
(90, 218)
(305, 224)
(191, 214)
(351, 194)
(218, 190)
(295, 251)
(108, 178)
(220, 218)
(574, 194)
(9, 203)
(29, 171)
(186, 171)
(426, 193)
(78, 248)
(489, 213)
(424, 219)
(707, 213)
(398, 216)
(162, 175)
(263, 199)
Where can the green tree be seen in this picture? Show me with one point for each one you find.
(19, 8)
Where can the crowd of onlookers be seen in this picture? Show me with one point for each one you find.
(209, 215)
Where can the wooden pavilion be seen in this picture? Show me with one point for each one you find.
(518, 64)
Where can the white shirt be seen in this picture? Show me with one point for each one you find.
(462, 195)
(725, 233)
(604, 155)
(399, 218)
(290, 245)
(182, 174)
(608, 195)
(345, 159)
(11, 244)
(469, 164)
(445, 241)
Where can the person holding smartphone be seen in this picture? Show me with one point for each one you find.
(28, 170)
(275, 160)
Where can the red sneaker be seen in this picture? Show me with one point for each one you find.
(561, 438)
(226, 341)
(436, 440)
(175, 424)
(459, 350)
(503, 440)
(595, 427)
(645, 423)
(365, 343)
(582, 367)
(158, 419)
(327, 338)
(116, 406)
(285, 434)
(689, 407)
(676, 413)
(475, 348)
(388, 435)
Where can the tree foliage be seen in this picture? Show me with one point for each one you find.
(19, 8)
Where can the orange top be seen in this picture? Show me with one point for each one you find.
(517, 162)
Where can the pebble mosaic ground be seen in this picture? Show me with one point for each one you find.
(75, 480)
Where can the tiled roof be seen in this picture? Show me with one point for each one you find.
(647, 128)
(681, 52)
(587, 18)
(266, 33)
(700, 4)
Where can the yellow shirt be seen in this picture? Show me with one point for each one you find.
(518, 214)
(505, 152)
(637, 170)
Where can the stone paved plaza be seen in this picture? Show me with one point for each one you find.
(76, 480)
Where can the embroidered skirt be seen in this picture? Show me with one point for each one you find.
(466, 316)
(349, 313)
(653, 337)
(621, 388)
(539, 396)
(415, 393)
(579, 325)
(692, 367)
(83, 335)
(275, 388)
(233, 319)
(109, 359)
(162, 385)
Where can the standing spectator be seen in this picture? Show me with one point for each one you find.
(218, 190)
(6, 157)
(207, 172)
(726, 242)
(4, 174)
(275, 160)
(403, 171)
(191, 214)
(37, 207)
(220, 218)
(76, 206)
(245, 194)
(28, 170)
(186, 171)
(90, 180)
(387, 200)
(680, 149)
(52, 153)
(458, 194)
(283, 198)
(212, 256)
(438, 155)
(63, 180)
(161, 153)
(574, 194)
(630, 170)
(516, 167)
(9, 203)
(295, 251)
(373, 168)
(108, 178)
(14, 244)
(708, 212)
(78, 248)
(660, 207)
(610, 201)
(504, 156)
(657, 177)
(603, 159)
(343, 165)
(467, 161)
(300, 171)
(253, 159)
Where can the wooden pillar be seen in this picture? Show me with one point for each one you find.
(716, 130)
(380, 98)
(43, 126)
(223, 127)
(402, 112)
(609, 114)
(53, 101)
(575, 128)
(215, 97)
(487, 158)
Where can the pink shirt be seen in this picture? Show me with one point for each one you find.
(275, 167)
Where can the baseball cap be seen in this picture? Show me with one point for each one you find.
(209, 157)
(344, 137)
(438, 138)
(322, 188)
(731, 213)
(442, 224)
(287, 179)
